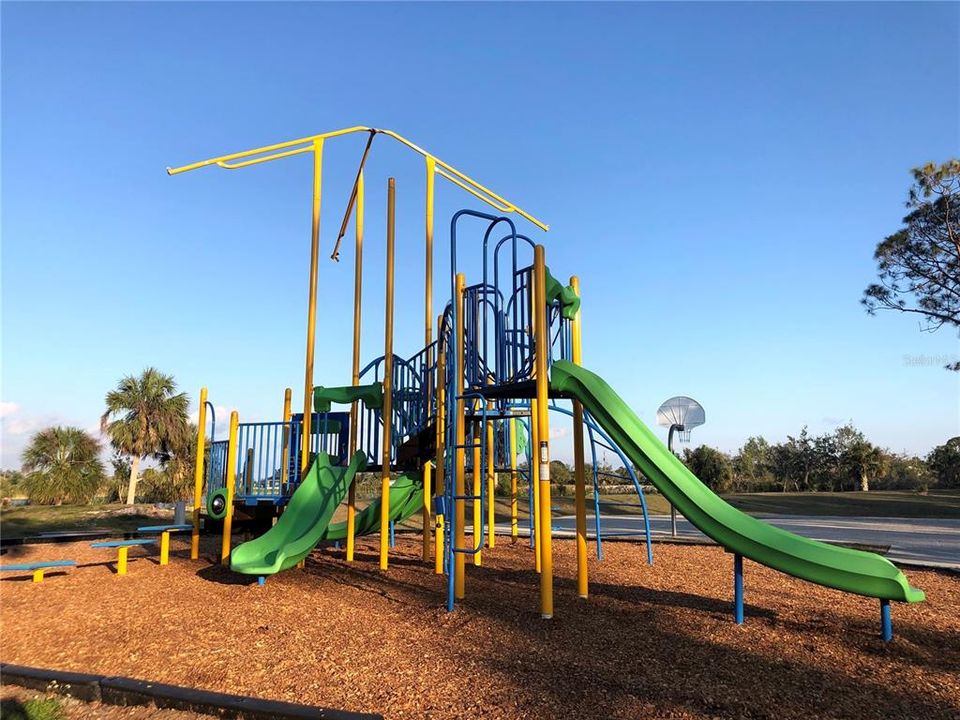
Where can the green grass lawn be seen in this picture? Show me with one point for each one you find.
(881, 503)
(935, 504)
(32, 519)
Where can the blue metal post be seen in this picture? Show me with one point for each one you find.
(738, 589)
(261, 580)
(393, 539)
(886, 623)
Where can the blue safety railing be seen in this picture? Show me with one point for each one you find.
(215, 469)
(269, 454)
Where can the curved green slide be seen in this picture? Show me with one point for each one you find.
(303, 522)
(406, 499)
(854, 571)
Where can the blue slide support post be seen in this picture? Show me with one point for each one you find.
(886, 623)
(738, 589)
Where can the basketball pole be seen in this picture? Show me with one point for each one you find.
(673, 508)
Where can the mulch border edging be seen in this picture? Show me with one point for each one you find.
(127, 691)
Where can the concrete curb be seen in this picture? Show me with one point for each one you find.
(129, 692)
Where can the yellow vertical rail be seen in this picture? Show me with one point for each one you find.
(387, 381)
(431, 165)
(312, 304)
(514, 525)
(355, 375)
(491, 487)
(534, 470)
(477, 476)
(579, 469)
(440, 477)
(231, 482)
(460, 461)
(198, 475)
(285, 453)
(543, 426)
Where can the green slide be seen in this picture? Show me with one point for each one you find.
(854, 571)
(406, 499)
(303, 522)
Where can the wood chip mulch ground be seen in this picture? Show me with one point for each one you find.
(651, 642)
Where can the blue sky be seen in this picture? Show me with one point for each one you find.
(717, 175)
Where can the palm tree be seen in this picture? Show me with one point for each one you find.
(145, 416)
(62, 465)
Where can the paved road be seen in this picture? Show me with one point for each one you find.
(921, 540)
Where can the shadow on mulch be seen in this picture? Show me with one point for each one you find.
(29, 578)
(222, 575)
(13, 710)
(628, 655)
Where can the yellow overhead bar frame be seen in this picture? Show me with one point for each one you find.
(246, 158)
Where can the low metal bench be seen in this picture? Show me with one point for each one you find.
(164, 531)
(122, 547)
(38, 568)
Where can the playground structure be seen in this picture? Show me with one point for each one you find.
(507, 353)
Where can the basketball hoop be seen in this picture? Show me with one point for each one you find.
(681, 414)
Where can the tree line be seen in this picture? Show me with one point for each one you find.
(837, 461)
(144, 418)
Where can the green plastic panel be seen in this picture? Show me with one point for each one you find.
(302, 523)
(371, 395)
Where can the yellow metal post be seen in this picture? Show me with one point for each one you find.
(440, 476)
(164, 548)
(122, 560)
(534, 473)
(354, 406)
(477, 476)
(514, 525)
(198, 475)
(580, 494)
(460, 456)
(285, 453)
(491, 487)
(38, 575)
(312, 304)
(543, 428)
(427, 515)
(231, 482)
(387, 381)
(431, 165)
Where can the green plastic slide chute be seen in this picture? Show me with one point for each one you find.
(854, 571)
(406, 500)
(303, 522)
(371, 395)
(569, 300)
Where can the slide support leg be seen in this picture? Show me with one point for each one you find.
(261, 580)
(886, 623)
(738, 589)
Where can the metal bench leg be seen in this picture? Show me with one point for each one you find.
(38, 575)
(164, 548)
(122, 560)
